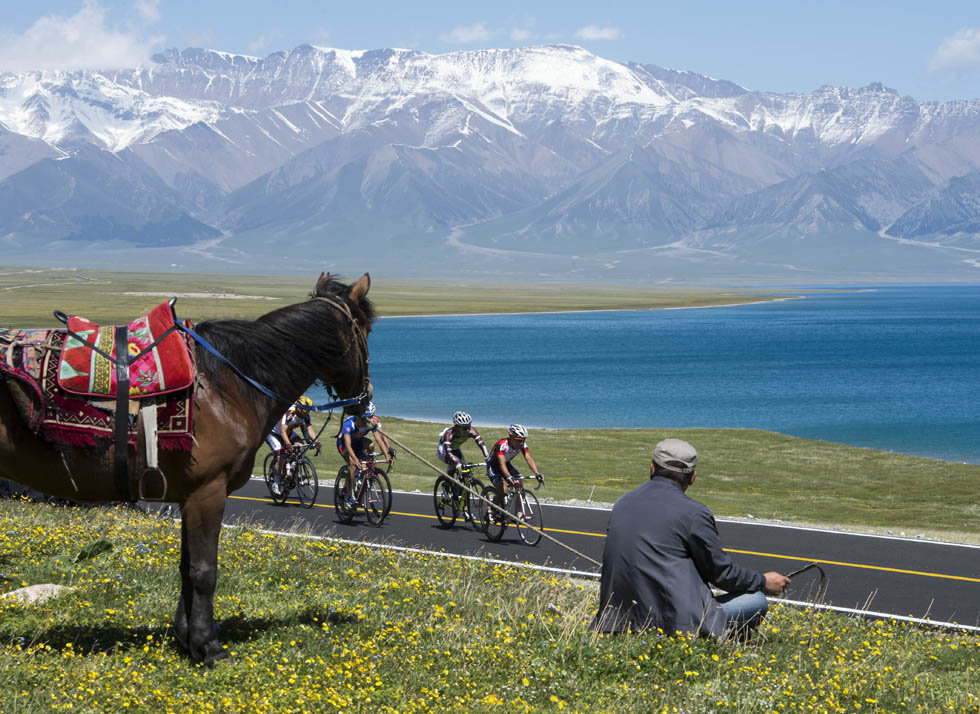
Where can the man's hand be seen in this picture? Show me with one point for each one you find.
(775, 583)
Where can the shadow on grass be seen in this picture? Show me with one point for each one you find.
(108, 639)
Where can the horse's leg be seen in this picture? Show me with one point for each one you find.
(199, 530)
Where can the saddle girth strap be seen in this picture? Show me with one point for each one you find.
(121, 466)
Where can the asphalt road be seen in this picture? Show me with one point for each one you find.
(893, 576)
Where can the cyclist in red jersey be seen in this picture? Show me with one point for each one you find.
(502, 454)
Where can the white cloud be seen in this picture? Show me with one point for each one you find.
(521, 35)
(594, 32)
(263, 41)
(467, 34)
(82, 41)
(960, 50)
(148, 11)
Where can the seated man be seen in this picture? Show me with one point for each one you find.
(451, 439)
(353, 444)
(662, 553)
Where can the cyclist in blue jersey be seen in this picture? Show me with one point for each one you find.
(353, 443)
(502, 454)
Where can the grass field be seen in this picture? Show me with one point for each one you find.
(741, 473)
(27, 297)
(316, 626)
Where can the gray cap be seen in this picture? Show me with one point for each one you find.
(675, 455)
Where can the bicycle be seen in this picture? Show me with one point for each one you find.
(451, 500)
(296, 471)
(372, 491)
(522, 508)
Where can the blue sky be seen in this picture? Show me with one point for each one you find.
(930, 50)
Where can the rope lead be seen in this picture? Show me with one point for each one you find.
(489, 503)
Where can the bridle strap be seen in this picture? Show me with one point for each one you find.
(359, 337)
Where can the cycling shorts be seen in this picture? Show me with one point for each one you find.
(360, 445)
(443, 451)
(495, 476)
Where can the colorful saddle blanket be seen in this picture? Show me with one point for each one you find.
(31, 357)
(158, 355)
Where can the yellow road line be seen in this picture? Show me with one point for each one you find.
(858, 565)
(421, 515)
(861, 566)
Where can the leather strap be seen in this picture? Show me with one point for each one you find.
(121, 466)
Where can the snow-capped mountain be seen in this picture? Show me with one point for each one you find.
(519, 154)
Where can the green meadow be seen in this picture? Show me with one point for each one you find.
(313, 625)
(28, 296)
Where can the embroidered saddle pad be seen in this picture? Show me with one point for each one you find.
(32, 358)
(159, 361)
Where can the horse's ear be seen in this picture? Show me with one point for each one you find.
(359, 290)
(321, 284)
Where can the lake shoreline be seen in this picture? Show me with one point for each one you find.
(601, 309)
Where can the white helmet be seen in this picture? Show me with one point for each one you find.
(462, 419)
(369, 410)
(518, 430)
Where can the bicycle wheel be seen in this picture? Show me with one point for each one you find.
(307, 484)
(267, 471)
(444, 502)
(494, 522)
(472, 506)
(345, 511)
(383, 479)
(527, 509)
(374, 499)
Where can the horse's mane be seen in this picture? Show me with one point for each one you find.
(286, 348)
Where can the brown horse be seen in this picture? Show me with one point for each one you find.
(324, 338)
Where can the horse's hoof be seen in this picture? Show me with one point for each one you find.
(213, 653)
(180, 638)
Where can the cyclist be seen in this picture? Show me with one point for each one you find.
(280, 438)
(502, 454)
(353, 443)
(451, 439)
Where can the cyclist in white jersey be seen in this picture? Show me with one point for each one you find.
(452, 438)
(296, 417)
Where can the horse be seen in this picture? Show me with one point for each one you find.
(322, 339)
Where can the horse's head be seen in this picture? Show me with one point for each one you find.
(350, 376)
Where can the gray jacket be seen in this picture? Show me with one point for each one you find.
(662, 552)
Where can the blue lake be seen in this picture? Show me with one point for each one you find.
(896, 368)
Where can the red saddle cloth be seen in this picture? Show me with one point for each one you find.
(31, 357)
(160, 368)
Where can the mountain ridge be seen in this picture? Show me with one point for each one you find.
(543, 150)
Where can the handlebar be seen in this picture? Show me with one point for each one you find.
(519, 481)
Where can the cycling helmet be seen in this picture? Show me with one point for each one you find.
(369, 410)
(304, 402)
(462, 419)
(518, 430)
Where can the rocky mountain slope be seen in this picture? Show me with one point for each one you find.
(542, 160)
